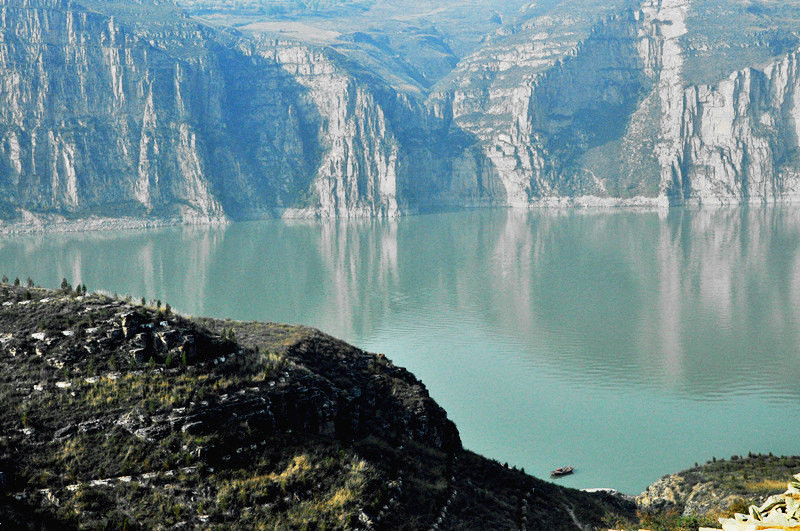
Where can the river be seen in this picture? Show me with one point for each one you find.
(627, 344)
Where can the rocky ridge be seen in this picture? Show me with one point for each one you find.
(127, 415)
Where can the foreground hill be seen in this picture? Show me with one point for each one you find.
(126, 416)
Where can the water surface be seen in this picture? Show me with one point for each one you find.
(626, 344)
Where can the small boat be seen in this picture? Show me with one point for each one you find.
(558, 472)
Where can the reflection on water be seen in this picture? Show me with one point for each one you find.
(624, 343)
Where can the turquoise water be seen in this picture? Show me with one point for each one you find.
(626, 344)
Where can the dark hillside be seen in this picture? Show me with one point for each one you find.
(124, 416)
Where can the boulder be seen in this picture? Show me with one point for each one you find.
(130, 331)
(130, 324)
(141, 341)
(91, 426)
(194, 428)
(152, 433)
(139, 355)
(129, 319)
(168, 339)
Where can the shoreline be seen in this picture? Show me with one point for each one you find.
(29, 223)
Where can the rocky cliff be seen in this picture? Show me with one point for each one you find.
(739, 138)
(109, 113)
(566, 109)
(717, 489)
(134, 110)
(97, 120)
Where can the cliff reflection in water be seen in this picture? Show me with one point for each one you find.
(700, 302)
(705, 302)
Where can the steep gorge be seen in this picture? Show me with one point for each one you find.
(134, 110)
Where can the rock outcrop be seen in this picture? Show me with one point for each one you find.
(718, 488)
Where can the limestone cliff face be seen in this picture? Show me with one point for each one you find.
(549, 92)
(567, 112)
(97, 118)
(357, 162)
(131, 109)
(110, 118)
(739, 138)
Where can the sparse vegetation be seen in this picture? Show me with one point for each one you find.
(721, 488)
(124, 416)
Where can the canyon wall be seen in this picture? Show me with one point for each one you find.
(610, 118)
(103, 117)
(134, 110)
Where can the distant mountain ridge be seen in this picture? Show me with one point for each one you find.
(137, 111)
